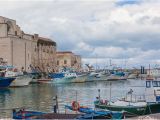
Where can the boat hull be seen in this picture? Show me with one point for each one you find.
(92, 78)
(22, 80)
(63, 80)
(116, 78)
(6, 81)
(150, 108)
(71, 79)
(23, 114)
(100, 114)
(80, 79)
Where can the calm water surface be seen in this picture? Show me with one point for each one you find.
(39, 96)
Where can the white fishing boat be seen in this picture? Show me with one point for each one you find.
(66, 75)
(21, 80)
(97, 76)
(116, 77)
(132, 76)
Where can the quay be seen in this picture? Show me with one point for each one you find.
(57, 116)
(155, 116)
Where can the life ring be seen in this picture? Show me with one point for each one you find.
(75, 105)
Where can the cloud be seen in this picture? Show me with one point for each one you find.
(107, 29)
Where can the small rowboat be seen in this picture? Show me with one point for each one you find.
(94, 114)
(23, 114)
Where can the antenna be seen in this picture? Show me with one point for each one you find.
(110, 62)
(125, 63)
(110, 83)
(96, 62)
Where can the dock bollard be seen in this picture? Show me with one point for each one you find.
(55, 106)
(55, 109)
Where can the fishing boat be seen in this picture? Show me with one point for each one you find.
(133, 107)
(149, 77)
(21, 78)
(117, 75)
(26, 114)
(132, 76)
(93, 114)
(6, 81)
(66, 75)
(97, 76)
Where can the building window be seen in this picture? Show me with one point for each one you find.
(148, 84)
(65, 61)
(58, 62)
(16, 33)
(28, 56)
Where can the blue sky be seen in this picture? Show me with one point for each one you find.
(107, 29)
(127, 2)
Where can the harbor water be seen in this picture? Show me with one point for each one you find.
(40, 96)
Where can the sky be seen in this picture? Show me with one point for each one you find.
(125, 32)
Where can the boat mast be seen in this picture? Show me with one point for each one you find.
(96, 62)
(149, 70)
(110, 92)
(76, 95)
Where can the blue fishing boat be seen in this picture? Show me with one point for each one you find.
(6, 81)
(26, 114)
(66, 75)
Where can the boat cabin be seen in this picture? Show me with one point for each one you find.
(152, 90)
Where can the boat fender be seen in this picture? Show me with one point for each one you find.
(75, 105)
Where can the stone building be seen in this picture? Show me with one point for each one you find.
(68, 59)
(24, 50)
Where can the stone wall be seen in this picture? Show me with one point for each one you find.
(5, 49)
(21, 52)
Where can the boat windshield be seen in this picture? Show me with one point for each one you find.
(152, 84)
(2, 74)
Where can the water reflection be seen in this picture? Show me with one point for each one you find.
(5, 93)
(39, 96)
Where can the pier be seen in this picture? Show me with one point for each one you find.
(57, 116)
(148, 117)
